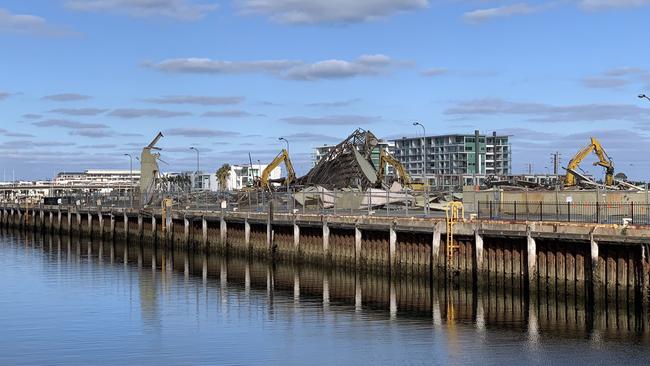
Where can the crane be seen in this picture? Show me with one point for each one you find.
(387, 159)
(283, 156)
(603, 160)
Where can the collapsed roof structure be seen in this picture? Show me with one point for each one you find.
(348, 164)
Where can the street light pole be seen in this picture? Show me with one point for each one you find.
(424, 166)
(286, 141)
(198, 167)
(131, 176)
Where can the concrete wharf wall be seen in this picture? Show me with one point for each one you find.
(595, 261)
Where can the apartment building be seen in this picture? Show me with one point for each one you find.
(455, 160)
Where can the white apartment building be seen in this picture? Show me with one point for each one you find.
(97, 176)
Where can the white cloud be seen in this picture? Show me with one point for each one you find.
(481, 15)
(235, 113)
(540, 112)
(340, 69)
(328, 11)
(435, 71)
(64, 123)
(618, 78)
(29, 24)
(287, 69)
(195, 99)
(66, 97)
(331, 120)
(209, 66)
(130, 113)
(186, 10)
(604, 82)
(334, 104)
(605, 4)
(200, 132)
(78, 111)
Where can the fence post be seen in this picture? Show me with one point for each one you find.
(515, 209)
(490, 210)
(597, 212)
(568, 211)
(632, 209)
(541, 211)
(478, 209)
(527, 209)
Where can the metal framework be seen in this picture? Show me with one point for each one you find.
(347, 165)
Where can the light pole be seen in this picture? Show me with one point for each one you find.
(198, 167)
(424, 167)
(131, 176)
(643, 96)
(286, 141)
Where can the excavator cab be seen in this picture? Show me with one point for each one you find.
(265, 181)
(603, 160)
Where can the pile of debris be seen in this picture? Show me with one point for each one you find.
(347, 165)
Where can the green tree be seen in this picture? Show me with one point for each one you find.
(222, 175)
(621, 176)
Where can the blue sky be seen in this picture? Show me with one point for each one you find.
(84, 81)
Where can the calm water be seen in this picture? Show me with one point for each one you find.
(65, 301)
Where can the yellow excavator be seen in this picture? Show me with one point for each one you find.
(603, 160)
(283, 156)
(387, 159)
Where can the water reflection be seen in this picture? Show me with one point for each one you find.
(213, 283)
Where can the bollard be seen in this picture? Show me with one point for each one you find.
(392, 244)
(204, 232)
(154, 229)
(478, 256)
(223, 233)
(435, 245)
(296, 239)
(531, 259)
(186, 231)
(357, 246)
(247, 235)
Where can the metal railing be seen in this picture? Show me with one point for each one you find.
(310, 201)
(586, 212)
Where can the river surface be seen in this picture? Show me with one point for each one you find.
(74, 302)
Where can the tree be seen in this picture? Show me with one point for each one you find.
(621, 176)
(222, 175)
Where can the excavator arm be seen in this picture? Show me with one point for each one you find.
(386, 159)
(283, 156)
(603, 160)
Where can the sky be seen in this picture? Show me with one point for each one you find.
(83, 82)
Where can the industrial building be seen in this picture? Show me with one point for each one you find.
(453, 161)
